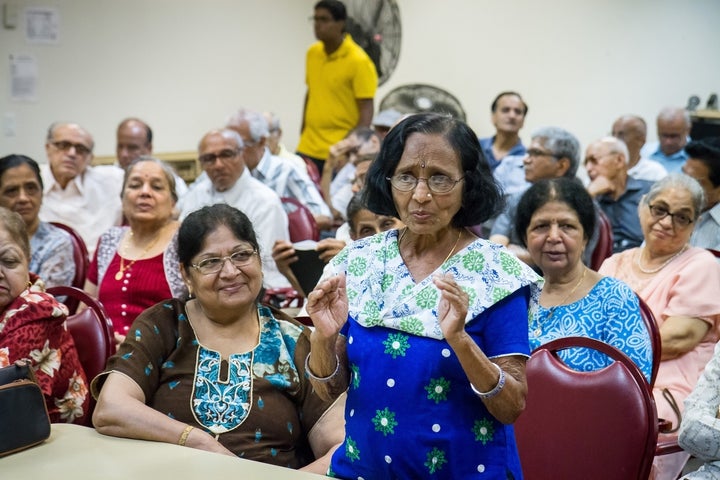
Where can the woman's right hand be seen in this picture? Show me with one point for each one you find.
(204, 441)
(327, 306)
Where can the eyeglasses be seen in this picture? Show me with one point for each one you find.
(212, 265)
(65, 146)
(534, 152)
(678, 219)
(436, 183)
(224, 155)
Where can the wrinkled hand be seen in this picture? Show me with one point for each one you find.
(339, 152)
(327, 306)
(601, 186)
(328, 248)
(453, 306)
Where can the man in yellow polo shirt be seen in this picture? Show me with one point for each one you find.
(341, 83)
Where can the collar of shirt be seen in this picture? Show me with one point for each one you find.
(264, 166)
(232, 194)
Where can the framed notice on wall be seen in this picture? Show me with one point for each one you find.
(42, 25)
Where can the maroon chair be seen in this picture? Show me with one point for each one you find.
(92, 332)
(591, 425)
(714, 252)
(655, 340)
(604, 247)
(82, 262)
(301, 222)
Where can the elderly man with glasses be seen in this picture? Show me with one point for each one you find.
(553, 153)
(84, 197)
(617, 193)
(228, 180)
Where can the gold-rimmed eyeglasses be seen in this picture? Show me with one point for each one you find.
(211, 265)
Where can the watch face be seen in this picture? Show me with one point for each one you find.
(375, 26)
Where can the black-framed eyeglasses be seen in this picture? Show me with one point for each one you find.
(213, 265)
(223, 155)
(536, 152)
(437, 183)
(65, 146)
(679, 219)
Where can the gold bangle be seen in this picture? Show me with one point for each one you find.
(184, 435)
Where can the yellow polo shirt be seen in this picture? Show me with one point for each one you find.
(335, 82)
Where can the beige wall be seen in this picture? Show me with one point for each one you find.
(184, 65)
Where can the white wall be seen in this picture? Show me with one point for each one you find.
(184, 65)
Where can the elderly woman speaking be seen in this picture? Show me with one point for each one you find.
(430, 320)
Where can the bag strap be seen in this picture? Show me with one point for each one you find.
(667, 395)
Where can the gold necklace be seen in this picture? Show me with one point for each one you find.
(655, 270)
(402, 235)
(551, 310)
(123, 267)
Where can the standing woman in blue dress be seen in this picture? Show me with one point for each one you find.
(426, 325)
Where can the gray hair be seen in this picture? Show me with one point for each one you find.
(562, 144)
(671, 113)
(55, 125)
(257, 124)
(678, 181)
(167, 170)
(273, 121)
(616, 146)
(226, 133)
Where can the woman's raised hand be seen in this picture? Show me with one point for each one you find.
(327, 306)
(453, 306)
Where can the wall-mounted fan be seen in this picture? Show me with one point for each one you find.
(418, 98)
(375, 26)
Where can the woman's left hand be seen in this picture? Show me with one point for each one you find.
(453, 306)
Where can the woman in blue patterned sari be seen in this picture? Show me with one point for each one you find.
(218, 372)
(426, 325)
(554, 220)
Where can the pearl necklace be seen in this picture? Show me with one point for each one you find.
(665, 264)
(551, 311)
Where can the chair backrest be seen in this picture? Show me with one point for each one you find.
(92, 332)
(313, 172)
(655, 340)
(302, 224)
(604, 246)
(591, 425)
(80, 255)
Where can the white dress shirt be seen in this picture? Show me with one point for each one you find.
(90, 203)
(647, 169)
(261, 205)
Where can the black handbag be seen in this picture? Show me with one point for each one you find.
(24, 419)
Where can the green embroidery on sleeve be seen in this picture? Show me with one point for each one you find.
(351, 450)
(355, 370)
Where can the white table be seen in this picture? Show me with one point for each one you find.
(78, 453)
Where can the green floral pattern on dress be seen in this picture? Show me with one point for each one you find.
(509, 264)
(474, 261)
(428, 298)
(355, 371)
(387, 281)
(483, 430)
(351, 450)
(384, 421)
(435, 460)
(438, 389)
(357, 267)
(396, 344)
(412, 325)
(499, 293)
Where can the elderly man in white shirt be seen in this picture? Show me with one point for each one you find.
(280, 175)
(83, 197)
(229, 181)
